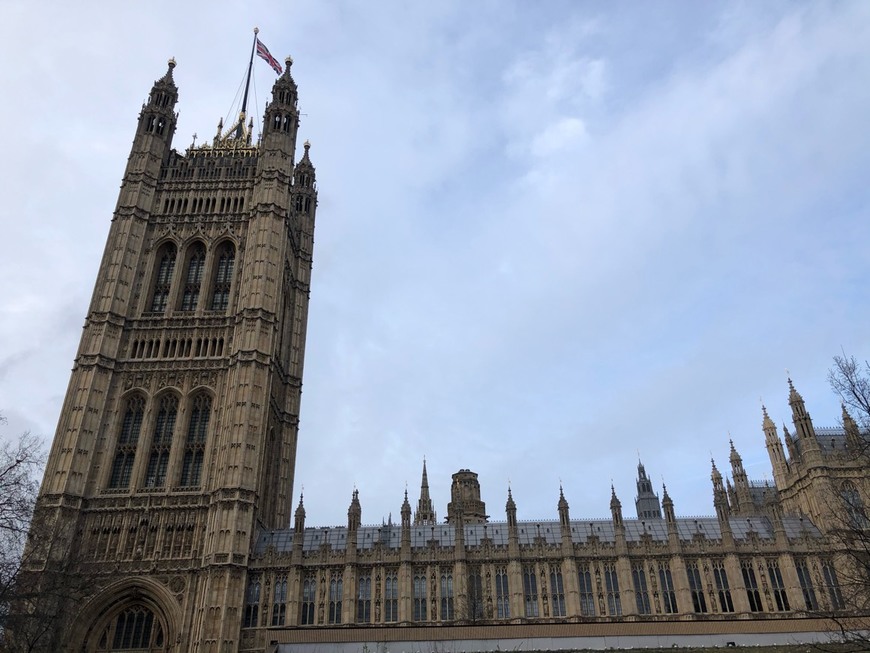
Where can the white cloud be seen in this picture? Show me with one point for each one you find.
(659, 242)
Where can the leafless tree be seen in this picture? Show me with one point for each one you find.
(21, 462)
(850, 380)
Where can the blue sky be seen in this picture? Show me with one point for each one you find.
(550, 237)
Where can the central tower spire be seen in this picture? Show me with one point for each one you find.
(425, 513)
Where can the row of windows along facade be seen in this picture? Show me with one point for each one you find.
(187, 293)
(708, 589)
(167, 454)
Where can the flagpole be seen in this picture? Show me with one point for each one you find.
(247, 86)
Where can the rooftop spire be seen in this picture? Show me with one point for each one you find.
(425, 513)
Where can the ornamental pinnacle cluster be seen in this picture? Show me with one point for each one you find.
(164, 518)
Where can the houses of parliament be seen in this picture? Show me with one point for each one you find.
(169, 485)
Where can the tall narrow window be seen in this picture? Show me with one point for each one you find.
(557, 592)
(252, 603)
(666, 585)
(856, 517)
(806, 583)
(502, 594)
(223, 277)
(641, 592)
(128, 438)
(587, 592)
(364, 599)
(723, 591)
(832, 584)
(166, 256)
(279, 601)
(611, 583)
(420, 596)
(335, 591)
(391, 597)
(530, 591)
(193, 281)
(774, 576)
(475, 595)
(447, 595)
(194, 446)
(751, 584)
(696, 587)
(309, 596)
(161, 442)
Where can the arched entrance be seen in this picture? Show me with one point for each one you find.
(136, 615)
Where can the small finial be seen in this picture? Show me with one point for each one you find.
(256, 31)
(171, 63)
(307, 146)
(288, 61)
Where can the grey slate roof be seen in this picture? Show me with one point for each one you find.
(444, 535)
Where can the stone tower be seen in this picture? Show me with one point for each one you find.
(465, 506)
(178, 434)
(646, 502)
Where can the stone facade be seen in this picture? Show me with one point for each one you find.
(170, 478)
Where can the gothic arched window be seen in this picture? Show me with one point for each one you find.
(161, 443)
(309, 594)
(128, 438)
(223, 277)
(855, 513)
(134, 629)
(252, 603)
(195, 266)
(163, 277)
(194, 446)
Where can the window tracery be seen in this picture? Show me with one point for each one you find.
(193, 282)
(163, 277)
(134, 629)
(128, 439)
(161, 442)
(223, 277)
(194, 447)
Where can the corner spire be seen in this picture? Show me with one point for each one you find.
(167, 78)
(299, 524)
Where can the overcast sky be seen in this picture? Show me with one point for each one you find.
(550, 236)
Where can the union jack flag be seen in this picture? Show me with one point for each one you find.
(264, 54)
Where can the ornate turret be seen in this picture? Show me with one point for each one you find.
(425, 513)
(465, 504)
(853, 437)
(282, 113)
(741, 482)
(615, 507)
(793, 453)
(157, 119)
(668, 506)
(299, 518)
(511, 511)
(406, 512)
(564, 518)
(646, 502)
(774, 448)
(354, 513)
(803, 424)
(720, 495)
